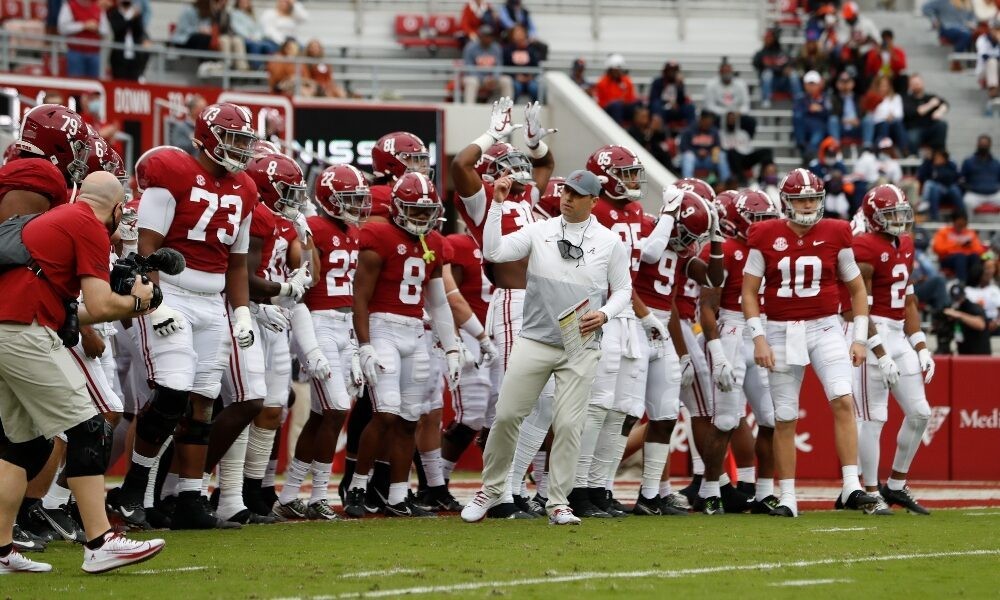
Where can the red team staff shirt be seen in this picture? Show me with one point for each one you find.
(338, 257)
(400, 286)
(34, 175)
(475, 288)
(800, 273)
(68, 243)
(892, 265)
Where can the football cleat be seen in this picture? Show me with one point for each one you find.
(647, 507)
(712, 506)
(321, 511)
(582, 506)
(563, 516)
(528, 505)
(782, 511)
(860, 500)
(477, 509)
(60, 521)
(691, 491)
(838, 504)
(248, 517)
(26, 542)
(296, 509)
(194, 513)
(735, 501)
(404, 509)
(36, 526)
(674, 504)
(507, 510)
(119, 551)
(880, 507)
(127, 507)
(15, 562)
(605, 501)
(539, 501)
(442, 500)
(903, 498)
(374, 499)
(355, 505)
(763, 507)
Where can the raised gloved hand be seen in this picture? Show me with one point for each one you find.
(890, 372)
(501, 122)
(317, 365)
(488, 352)
(722, 372)
(301, 227)
(715, 231)
(370, 365)
(687, 371)
(654, 327)
(926, 364)
(672, 198)
(533, 130)
(166, 320)
(270, 317)
(243, 326)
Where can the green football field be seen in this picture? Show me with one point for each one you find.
(952, 553)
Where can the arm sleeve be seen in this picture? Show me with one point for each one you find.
(755, 263)
(654, 245)
(66, 24)
(619, 281)
(475, 205)
(500, 248)
(440, 312)
(242, 243)
(302, 327)
(156, 210)
(847, 268)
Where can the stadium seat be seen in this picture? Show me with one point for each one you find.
(11, 9)
(433, 32)
(410, 30)
(39, 10)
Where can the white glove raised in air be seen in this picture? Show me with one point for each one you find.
(715, 232)
(370, 366)
(926, 364)
(454, 369)
(297, 284)
(654, 327)
(270, 317)
(301, 227)
(243, 326)
(166, 320)
(488, 352)
(501, 122)
(722, 372)
(687, 371)
(889, 370)
(316, 364)
(672, 198)
(533, 130)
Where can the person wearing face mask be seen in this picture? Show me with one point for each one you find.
(939, 177)
(740, 153)
(811, 115)
(615, 92)
(84, 22)
(668, 97)
(726, 93)
(856, 35)
(981, 176)
(701, 149)
(126, 21)
(847, 117)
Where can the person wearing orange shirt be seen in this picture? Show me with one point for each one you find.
(615, 92)
(958, 248)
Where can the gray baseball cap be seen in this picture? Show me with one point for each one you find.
(584, 182)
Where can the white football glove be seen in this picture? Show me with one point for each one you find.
(270, 317)
(926, 364)
(687, 371)
(316, 364)
(356, 381)
(128, 227)
(301, 228)
(722, 371)
(488, 352)
(715, 232)
(501, 122)
(296, 286)
(672, 198)
(465, 354)
(889, 370)
(166, 320)
(370, 365)
(243, 327)
(454, 369)
(655, 329)
(533, 130)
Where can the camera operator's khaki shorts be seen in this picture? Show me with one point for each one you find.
(42, 391)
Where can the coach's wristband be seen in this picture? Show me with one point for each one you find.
(860, 329)
(756, 327)
(538, 151)
(917, 338)
(873, 341)
(473, 327)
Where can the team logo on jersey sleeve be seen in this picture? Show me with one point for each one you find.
(614, 215)
(885, 257)
(478, 254)
(781, 244)
(401, 249)
(336, 242)
(738, 255)
(199, 179)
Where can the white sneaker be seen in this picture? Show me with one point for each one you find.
(476, 510)
(563, 516)
(119, 551)
(15, 562)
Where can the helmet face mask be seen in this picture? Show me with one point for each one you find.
(355, 206)
(501, 160)
(631, 180)
(415, 204)
(234, 149)
(798, 187)
(58, 135)
(896, 220)
(342, 192)
(622, 175)
(799, 213)
(416, 162)
(398, 153)
(886, 210)
(291, 199)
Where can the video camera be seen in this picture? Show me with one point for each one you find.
(128, 268)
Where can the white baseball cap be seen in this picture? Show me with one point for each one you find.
(812, 77)
(614, 61)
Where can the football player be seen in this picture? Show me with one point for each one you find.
(200, 206)
(899, 359)
(398, 274)
(799, 259)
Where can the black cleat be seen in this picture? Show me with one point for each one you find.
(763, 507)
(746, 487)
(712, 506)
(439, 499)
(782, 511)
(405, 509)
(838, 504)
(581, 505)
(605, 501)
(374, 501)
(647, 507)
(507, 510)
(860, 500)
(253, 497)
(674, 505)
(193, 512)
(540, 501)
(128, 507)
(530, 505)
(735, 501)
(355, 505)
(691, 491)
(36, 526)
(903, 498)
(26, 542)
(248, 517)
(60, 520)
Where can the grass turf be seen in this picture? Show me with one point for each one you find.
(821, 554)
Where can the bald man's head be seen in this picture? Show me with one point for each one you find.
(102, 190)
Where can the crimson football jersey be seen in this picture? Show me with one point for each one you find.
(381, 201)
(338, 257)
(516, 211)
(892, 265)
(800, 273)
(34, 175)
(654, 283)
(400, 286)
(734, 259)
(626, 221)
(686, 293)
(476, 288)
(208, 210)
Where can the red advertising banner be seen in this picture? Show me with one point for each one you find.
(975, 418)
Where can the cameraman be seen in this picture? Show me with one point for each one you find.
(42, 391)
(968, 321)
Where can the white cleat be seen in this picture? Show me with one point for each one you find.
(475, 510)
(119, 551)
(563, 516)
(15, 562)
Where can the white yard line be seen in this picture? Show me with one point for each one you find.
(161, 571)
(477, 585)
(807, 582)
(393, 571)
(837, 529)
(983, 514)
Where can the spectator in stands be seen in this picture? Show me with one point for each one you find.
(939, 176)
(957, 247)
(887, 115)
(968, 322)
(856, 35)
(988, 63)
(985, 10)
(83, 21)
(322, 74)
(873, 169)
(615, 92)
(126, 23)
(243, 23)
(283, 75)
(701, 150)
(954, 21)
(887, 59)
(829, 166)
(578, 73)
(668, 98)
(475, 14)
(513, 13)
(519, 54)
(195, 26)
(181, 131)
(985, 292)
(847, 119)
(923, 116)
(487, 55)
(774, 67)
(280, 22)
(929, 285)
(648, 130)
(768, 182)
(812, 56)
(810, 116)
(826, 25)
(231, 44)
(981, 176)
(727, 93)
(740, 153)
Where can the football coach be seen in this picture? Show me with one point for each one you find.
(572, 260)
(42, 391)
